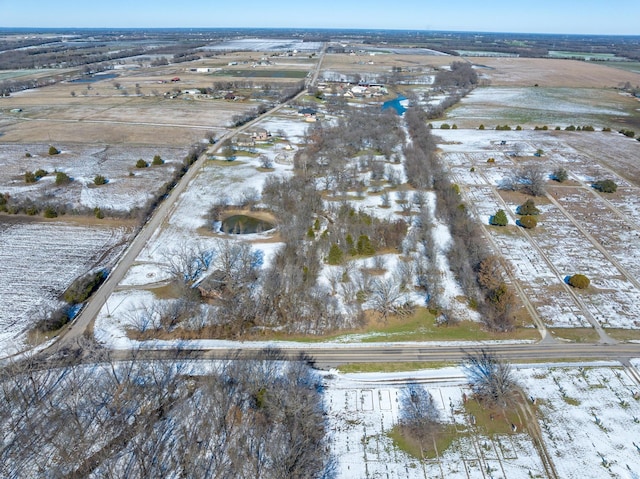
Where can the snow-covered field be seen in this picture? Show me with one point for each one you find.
(266, 45)
(538, 106)
(579, 230)
(31, 276)
(128, 187)
(589, 420)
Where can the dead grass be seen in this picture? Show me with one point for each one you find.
(105, 114)
(546, 72)
(393, 367)
(624, 334)
(576, 335)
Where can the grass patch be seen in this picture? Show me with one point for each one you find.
(494, 420)
(421, 326)
(214, 161)
(168, 291)
(393, 367)
(623, 334)
(576, 335)
(571, 401)
(442, 440)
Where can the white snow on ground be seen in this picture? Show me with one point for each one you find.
(265, 45)
(559, 247)
(119, 313)
(23, 295)
(363, 408)
(590, 420)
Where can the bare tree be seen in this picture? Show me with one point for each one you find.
(529, 178)
(266, 162)
(187, 262)
(419, 416)
(490, 378)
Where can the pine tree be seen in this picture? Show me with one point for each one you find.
(335, 255)
(499, 219)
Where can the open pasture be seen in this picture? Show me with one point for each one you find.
(552, 73)
(105, 114)
(550, 106)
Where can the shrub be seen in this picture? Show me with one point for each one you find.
(499, 219)
(141, 163)
(481, 127)
(454, 127)
(629, 133)
(100, 180)
(62, 178)
(30, 177)
(50, 212)
(605, 186)
(588, 128)
(445, 126)
(558, 128)
(491, 160)
(560, 175)
(40, 173)
(54, 320)
(528, 221)
(27, 155)
(570, 128)
(528, 208)
(53, 150)
(32, 210)
(83, 287)
(98, 213)
(579, 281)
(157, 160)
(606, 129)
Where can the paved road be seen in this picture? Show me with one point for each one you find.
(70, 336)
(326, 357)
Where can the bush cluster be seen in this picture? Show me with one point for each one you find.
(579, 281)
(605, 186)
(528, 221)
(83, 287)
(629, 133)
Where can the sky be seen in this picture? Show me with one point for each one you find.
(541, 16)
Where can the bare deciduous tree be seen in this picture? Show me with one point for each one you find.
(490, 378)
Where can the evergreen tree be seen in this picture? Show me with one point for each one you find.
(335, 255)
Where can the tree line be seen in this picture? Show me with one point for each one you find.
(468, 256)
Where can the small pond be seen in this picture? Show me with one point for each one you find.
(396, 104)
(244, 225)
(95, 78)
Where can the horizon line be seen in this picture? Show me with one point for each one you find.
(333, 29)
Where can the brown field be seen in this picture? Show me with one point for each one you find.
(552, 73)
(106, 115)
(382, 63)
